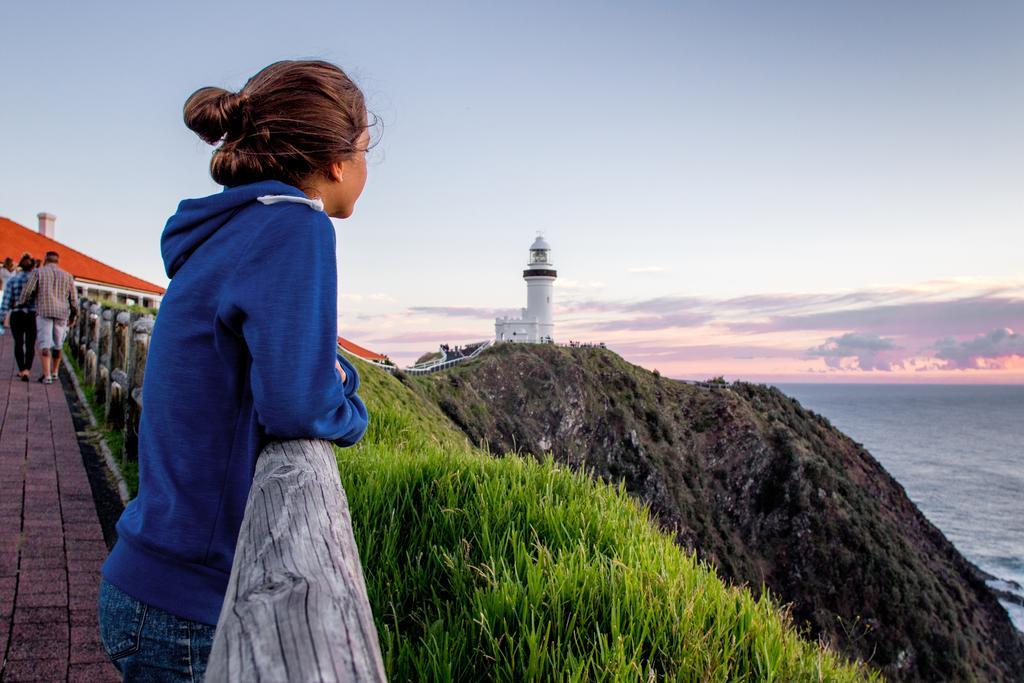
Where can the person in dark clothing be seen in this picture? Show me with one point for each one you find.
(21, 319)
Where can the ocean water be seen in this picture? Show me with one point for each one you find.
(959, 453)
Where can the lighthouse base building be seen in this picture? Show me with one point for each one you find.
(521, 329)
(535, 324)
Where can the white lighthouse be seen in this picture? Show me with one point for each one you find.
(536, 324)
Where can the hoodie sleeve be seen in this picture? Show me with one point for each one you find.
(286, 290)
(351, 375)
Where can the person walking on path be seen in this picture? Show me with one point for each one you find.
(244, 351)
(6, 272)
(56, 307)
(21, 319)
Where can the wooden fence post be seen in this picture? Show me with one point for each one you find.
(296, 607)
(103, 359)
(72, 338)
(142, 330)
(116, 404)
(81, 331)
(122, 341)
(92, 344)
(120, 346)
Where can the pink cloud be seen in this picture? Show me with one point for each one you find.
(866, 351)
(990, 350)
(654, 322)
(915, 318)
(698, 352)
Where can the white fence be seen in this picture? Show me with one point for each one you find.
(442, 363)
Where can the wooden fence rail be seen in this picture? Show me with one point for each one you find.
(296, 607)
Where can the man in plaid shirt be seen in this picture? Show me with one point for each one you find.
(55, 309)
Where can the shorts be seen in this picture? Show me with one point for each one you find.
(50, 332)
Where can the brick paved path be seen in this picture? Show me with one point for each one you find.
(51, 545)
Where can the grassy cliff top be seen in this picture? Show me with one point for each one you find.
(482, 568)
(768, 493)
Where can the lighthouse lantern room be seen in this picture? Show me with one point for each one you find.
(535, 325)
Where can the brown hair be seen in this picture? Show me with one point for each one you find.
(292, 120)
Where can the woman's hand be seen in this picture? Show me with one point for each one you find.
(337, 364)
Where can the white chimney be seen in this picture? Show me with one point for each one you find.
(46, 221)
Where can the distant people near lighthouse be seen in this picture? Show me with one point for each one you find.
(535, 324)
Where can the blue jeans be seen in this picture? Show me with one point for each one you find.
(146, 643)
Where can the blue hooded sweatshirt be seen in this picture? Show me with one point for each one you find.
(243, 352)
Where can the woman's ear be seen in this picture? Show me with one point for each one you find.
(336, 172)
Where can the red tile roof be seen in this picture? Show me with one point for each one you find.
(357, 350)
(16, 239)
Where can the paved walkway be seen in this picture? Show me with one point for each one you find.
(51, 545)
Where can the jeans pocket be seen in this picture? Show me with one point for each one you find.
(121, 620)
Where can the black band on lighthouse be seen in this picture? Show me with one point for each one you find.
(536, 272)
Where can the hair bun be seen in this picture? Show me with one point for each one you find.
(211, 112)
(290, 122)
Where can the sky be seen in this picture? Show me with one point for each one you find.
(788, 191)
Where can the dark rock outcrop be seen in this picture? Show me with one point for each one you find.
(769, 493)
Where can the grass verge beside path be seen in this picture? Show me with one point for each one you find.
(481, 568)
(114, 438)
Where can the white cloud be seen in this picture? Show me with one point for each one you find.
(569, 283)
(369, 296)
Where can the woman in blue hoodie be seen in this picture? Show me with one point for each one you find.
(243, 351)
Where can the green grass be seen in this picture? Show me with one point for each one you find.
(508, 569)
(114, 438)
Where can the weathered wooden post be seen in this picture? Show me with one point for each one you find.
(82, 331)
(103, 360)
(72, 336)
(142, 330)
(116, 404)
(122, 341)
(93, 344)
(133, 318)
(119, 354)
(296, 607)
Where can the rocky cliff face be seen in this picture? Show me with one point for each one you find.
(769, 493)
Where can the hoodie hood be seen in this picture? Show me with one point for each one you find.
(198, 219)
